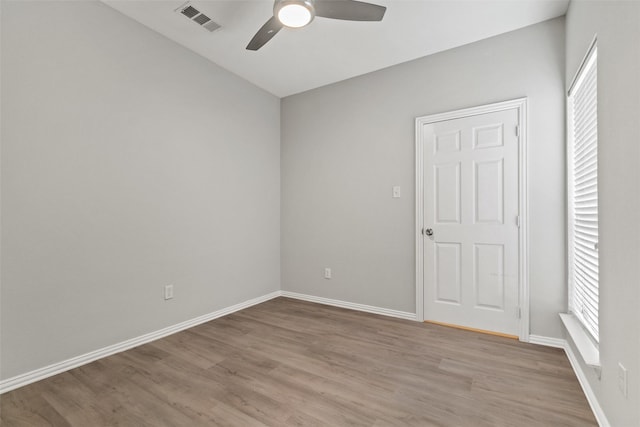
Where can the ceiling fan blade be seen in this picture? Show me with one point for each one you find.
(349, 10)
(264, 34)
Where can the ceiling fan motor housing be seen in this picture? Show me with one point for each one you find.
(279, 5)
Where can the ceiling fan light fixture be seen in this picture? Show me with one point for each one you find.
(294, 13)
(298, 13)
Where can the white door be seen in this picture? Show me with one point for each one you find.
(471, 213)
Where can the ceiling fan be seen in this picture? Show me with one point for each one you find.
(298, 13)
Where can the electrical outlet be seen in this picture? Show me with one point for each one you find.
(327, 273)
(622, 379)
(168, 292)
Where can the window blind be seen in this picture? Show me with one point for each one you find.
(583, 196)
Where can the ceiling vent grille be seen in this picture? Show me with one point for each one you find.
(190, 12)
(198, 17)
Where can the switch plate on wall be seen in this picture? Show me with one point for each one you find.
(396, 192)
(327, 273)
(168, 292)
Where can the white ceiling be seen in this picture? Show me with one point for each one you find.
(327, 50)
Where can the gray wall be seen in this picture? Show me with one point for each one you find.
(345, 146)
(618, 27)
(128, 163)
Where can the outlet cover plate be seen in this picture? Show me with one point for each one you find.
(622, 379)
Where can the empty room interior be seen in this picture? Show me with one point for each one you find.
(320, 212)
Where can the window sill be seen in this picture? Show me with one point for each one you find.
(587, 349)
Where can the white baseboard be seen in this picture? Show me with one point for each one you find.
(351, 305)
(586, 387)
(65, 365)
(577, 369)
(547, 341)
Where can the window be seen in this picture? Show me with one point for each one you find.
(582, 177)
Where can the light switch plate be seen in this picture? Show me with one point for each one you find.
(168, 292)
(396, 192)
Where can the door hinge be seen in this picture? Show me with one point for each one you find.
(517, 130)
(518, 221)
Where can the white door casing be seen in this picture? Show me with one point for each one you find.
(471, 193)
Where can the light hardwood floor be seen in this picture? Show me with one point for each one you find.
(293, 363)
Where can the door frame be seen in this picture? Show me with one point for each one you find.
(520, 105)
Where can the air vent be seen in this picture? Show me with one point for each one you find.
(190, 11)
(198, 17)
(202, 19)
(211, 26)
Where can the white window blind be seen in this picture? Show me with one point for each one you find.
(583, 195)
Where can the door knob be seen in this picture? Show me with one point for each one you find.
(428, 232)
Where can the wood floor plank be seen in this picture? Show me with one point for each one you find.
(293, 363)
(28, 408)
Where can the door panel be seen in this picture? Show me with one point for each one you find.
(447, 142)
(488, 136)
(447, 197)
(447, 272)
(488, 195)
(488, 277)
(471, 204)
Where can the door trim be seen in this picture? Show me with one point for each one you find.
(520, 105)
